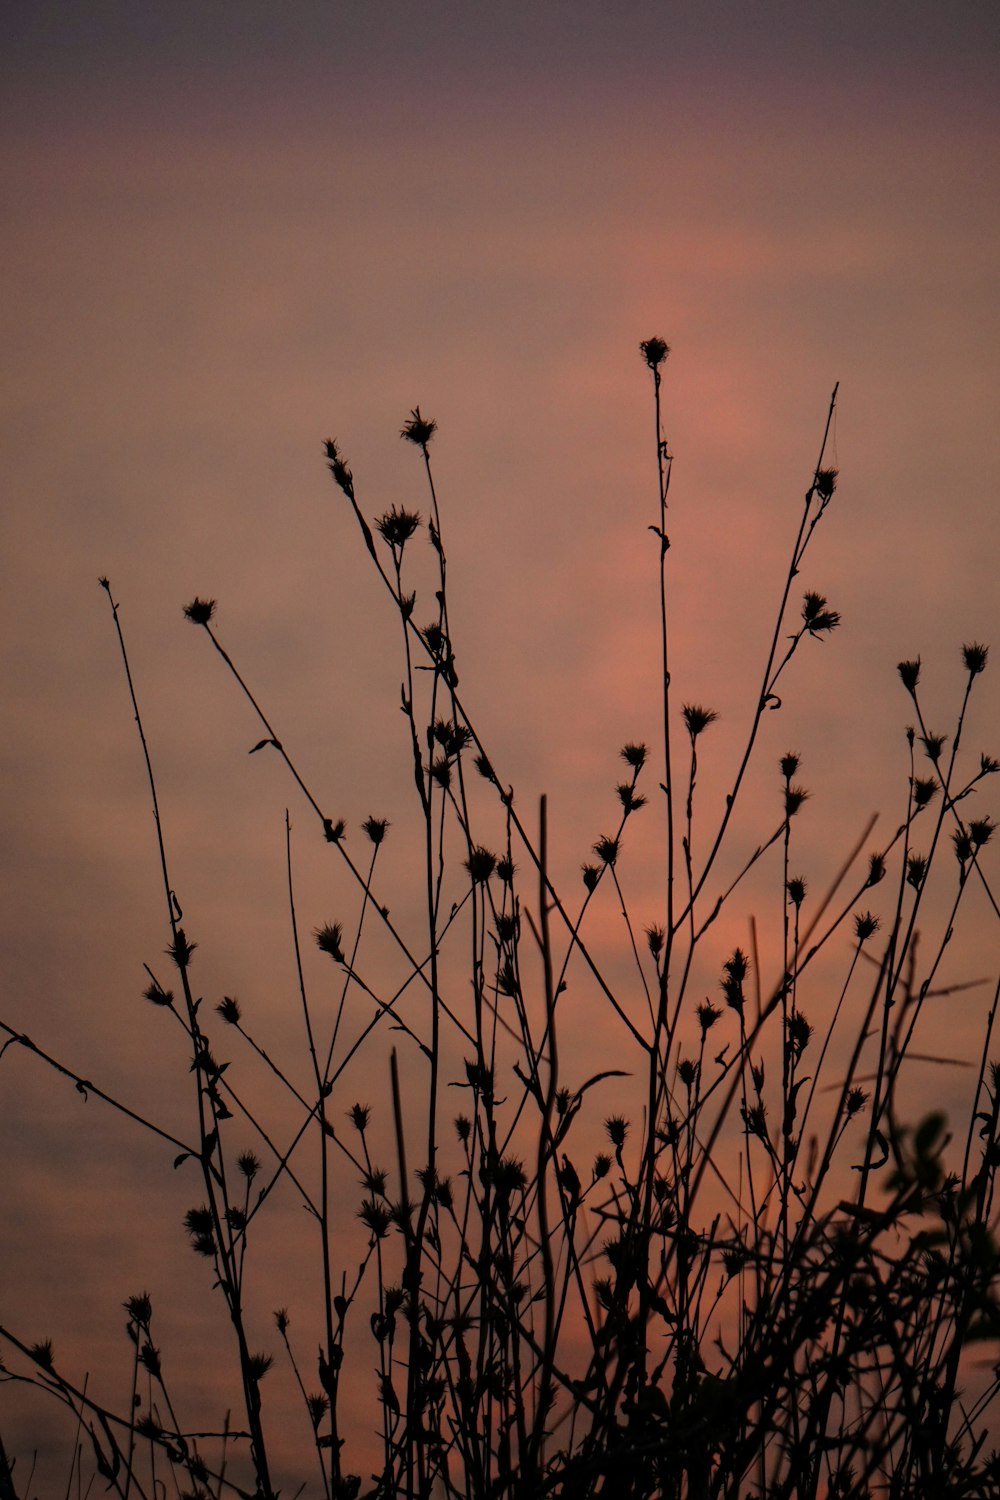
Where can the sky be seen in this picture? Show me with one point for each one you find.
(231, 232)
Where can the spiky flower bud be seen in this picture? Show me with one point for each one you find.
(815, 615)
(606, 850)
(697, 719)
(909, 672)
(825, 483)
(329, 939)
(417, 429)
(338, 468)
(865, 925)
(200, 611)
(654, 351)
(635, 755)
(974, 655)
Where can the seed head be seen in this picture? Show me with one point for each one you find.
(933, 744)
(635, 755)
(794, 798)
(698, 719)
(249, 1165)
(606, 850)
(856, 1101)
(200, 611)
(654, 351)
(865, 925)
(708, 1014)
(909, 672)
(974, 656)
(790, 763)
(655, 937)
(876, 869)
(376, 829)
(617, 1128)
(981, 830)
(417, 429)
(916, 869)
(630, 799)
(338, 468)
(796, 890)
(157, 995)
(229, 1010)
(397, 526)
(924, 790)
(825, 483)
(480, 864)
(329, 939)
(815, 615)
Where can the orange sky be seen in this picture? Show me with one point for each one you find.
(226, 240)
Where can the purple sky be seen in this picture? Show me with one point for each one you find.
(229, 235)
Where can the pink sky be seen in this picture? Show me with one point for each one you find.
(228, 240)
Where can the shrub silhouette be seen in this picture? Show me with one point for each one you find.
(760, 1282)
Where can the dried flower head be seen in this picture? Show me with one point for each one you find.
(708, 1014)
(617, 1129)
(417, 429)
(865, 925)
(376, 1218)
(988, 766)
(825, 483)
(157, 995)
(974, 656)
(794, 798)
(654, 351)
(876, 869)
(329, 939)
(338, 468)
(981, 830)
(602, 1166)
(655, 937)
(630, 799)
(333, 832)
(228, 1008)
(687, 1071)
(790, 763)
(200, 611)
(249, 1165)
(909, 673)
(698, 719)
(916, 869)
(815, 615)
(796, 888)
(359, 1115)
(933, 744)
(397, 526)
(139, 1309)
(591, 875)
(924, 790)
(799, 1032)
(258, 1365)
(480, 864)
(856, 1101)
(376, 829)
(606, 850)
(635, 755)
(734, 971)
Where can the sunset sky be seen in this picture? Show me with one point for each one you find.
(234, 230)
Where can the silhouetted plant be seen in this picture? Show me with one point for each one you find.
(712, 1304)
